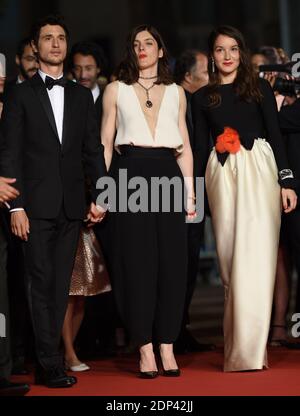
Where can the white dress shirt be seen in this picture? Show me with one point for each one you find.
(96, 92)
(57, 99)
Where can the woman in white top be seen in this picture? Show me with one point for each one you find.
(147, 110)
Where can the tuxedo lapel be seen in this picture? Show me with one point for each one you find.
(189, 118)
(67, 111)
(98, 106)
(98, 103)
(41, 91)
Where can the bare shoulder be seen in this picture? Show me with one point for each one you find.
(180, 89)
(111, 91)
(181, 93)
(112, 87)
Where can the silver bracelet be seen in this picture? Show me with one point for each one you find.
(285, 174)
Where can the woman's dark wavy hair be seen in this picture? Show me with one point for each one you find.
(128, 70)
(246, 83)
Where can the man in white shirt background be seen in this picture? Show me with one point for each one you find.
(87, 62)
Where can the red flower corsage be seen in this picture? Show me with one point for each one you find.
(229, 141)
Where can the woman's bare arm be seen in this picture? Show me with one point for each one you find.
(109, 119)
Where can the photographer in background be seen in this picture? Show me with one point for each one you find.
(289, 118)
(277, 70)
(276, 67)
(258, 59)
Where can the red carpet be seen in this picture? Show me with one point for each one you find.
(201, 376)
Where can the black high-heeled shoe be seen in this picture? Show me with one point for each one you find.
(148, 374)
(173, 372)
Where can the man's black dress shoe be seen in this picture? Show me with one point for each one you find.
(54, 377)
(7, 388)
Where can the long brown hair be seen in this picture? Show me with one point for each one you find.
(128, 70)
(246, 82)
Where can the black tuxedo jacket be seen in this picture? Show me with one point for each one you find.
(8, 87)
(190, 127)
(3, 222)
(98, 108)
(49, 173)
(189, 120)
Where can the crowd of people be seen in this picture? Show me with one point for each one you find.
(76, 270)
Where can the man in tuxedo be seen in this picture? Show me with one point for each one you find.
(87, 61)
(51, 134)
(7, 193)
(191, 73)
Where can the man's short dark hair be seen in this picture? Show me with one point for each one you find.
(185, 63)
(22, 45)
(87, 48)
(53, 20)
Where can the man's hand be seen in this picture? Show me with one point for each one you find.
(20, 224)
(7, 192)
(96, 213)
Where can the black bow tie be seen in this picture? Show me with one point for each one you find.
(50, 82)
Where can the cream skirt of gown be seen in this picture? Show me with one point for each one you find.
(245, 203)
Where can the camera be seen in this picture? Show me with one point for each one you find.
(283, 86)
(287, 87)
